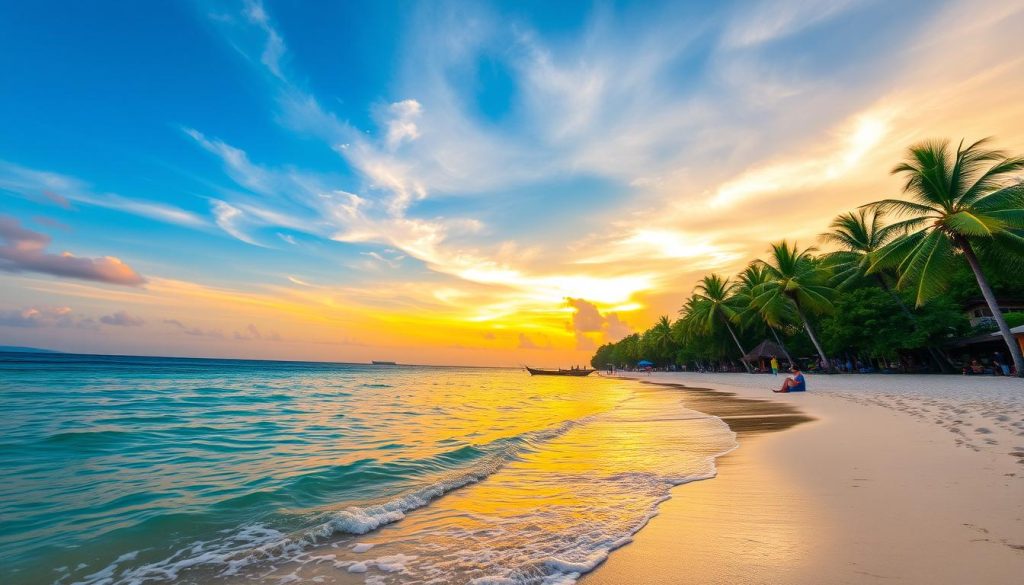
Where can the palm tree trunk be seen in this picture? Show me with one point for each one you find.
(743, 352)
(990, 298)
(782, 346)
(814, 338)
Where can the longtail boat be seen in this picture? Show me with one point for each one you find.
(559, 372)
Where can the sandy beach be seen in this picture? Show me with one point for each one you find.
(870, 478)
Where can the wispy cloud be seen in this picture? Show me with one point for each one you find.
(770, 20)
(62, 189)
(273, 48)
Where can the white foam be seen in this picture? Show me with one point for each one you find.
(393, 563)
(493, 581)
(362, 547)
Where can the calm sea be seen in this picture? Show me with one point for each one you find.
(158, 470)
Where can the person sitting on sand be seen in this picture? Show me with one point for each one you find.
(794, 384)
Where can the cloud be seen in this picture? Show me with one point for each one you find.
(860, 135)
(122, 319)
(57, 198)
(401, 122)
(616, 328)
(273, 48)
(62, 189)
(229, 218)
(24, 250)
(236, 163)
(194, 331)
(588, 319)
(251, 332)
(770, 20)
(38, 317)
(526, 343)
(584, 343)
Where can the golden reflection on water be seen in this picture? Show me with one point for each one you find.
(557, 506)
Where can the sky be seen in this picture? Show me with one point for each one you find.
(449, 182)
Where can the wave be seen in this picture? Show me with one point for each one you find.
(257, 543)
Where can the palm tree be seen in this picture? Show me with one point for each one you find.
(661, 337)
(752, 276)
(797, 284)
(713, 303)
(966, 203)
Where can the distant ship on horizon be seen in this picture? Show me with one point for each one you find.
(377, 363)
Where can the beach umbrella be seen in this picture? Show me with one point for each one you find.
(644, 363)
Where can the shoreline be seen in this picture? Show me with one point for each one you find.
(851, 491)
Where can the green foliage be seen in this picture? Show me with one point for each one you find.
(1015, 319)
(871, 323)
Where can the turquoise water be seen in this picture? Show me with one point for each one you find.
(159, 470)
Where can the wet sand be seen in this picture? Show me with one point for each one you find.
(851, 492)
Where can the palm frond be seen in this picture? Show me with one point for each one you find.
(995, 177)
(901, 207)
(973, 224)
(927, 267)
(894, 253)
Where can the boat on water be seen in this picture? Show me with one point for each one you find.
(559, 372)
(377, 363)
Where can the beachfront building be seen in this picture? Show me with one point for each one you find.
(1018, 334)
(980, 350)
(979, 314)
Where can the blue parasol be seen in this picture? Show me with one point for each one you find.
(644, 363)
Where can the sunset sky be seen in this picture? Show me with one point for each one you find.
(449, 183)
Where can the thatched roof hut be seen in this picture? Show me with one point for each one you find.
(764, 351)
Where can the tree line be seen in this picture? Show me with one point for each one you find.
(892, 285)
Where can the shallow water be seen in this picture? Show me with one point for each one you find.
(130, 470)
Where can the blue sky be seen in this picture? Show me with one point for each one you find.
(444, 175)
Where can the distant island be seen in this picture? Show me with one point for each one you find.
(377, 363)
(20, 349)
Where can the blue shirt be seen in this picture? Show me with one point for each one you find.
(801, 384)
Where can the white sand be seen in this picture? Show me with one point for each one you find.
(901, 479)
(983, 412)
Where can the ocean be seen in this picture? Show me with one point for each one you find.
(131, 470)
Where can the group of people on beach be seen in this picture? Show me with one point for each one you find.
(999, 366)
